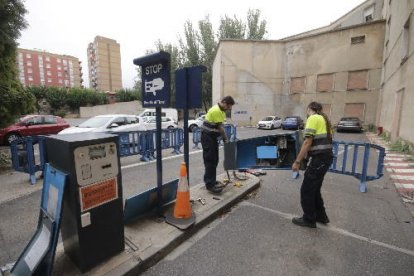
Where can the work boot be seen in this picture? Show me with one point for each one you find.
(219, 185)
(214, 189)
(304, 222)
(322, 219)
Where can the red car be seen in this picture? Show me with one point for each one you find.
(32, 125)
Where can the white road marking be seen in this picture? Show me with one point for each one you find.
(402, 177)
(337, 230)
(404, 186)
(400, 170)
(399, 164)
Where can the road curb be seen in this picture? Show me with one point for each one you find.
(149, 239)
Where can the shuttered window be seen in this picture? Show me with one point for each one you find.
(358, 80)
(297, 85)
(355, 110)
(324, 83)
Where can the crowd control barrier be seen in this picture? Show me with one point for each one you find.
(23, 155)
(278, 152)
(231, 132)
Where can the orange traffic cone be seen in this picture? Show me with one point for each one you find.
(182, 207)
(182, 216)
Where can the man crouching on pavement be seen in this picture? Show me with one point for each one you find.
(212, 128)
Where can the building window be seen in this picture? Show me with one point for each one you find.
(297, 85)
(60, 81)
(324, 83)
(369, 14)
(354, 110)
(48, 65)
(358, 80)
(48, 73)
(59, 74)
(28, 55)
(29, 63)
(405, 45)
(29, 70)
(30, 78)
(58, 60)
(59, 67)
(49, 80)
(47, 58)
(65, 62)
(358, 39)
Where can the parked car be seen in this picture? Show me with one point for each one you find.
(108, 123)
(292, 122)
(166, 123)
(32, 125)
(198, 122)
(270, 122)
(349, 124)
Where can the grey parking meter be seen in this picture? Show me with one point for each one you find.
(92, 223)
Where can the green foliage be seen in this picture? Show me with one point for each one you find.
(371, 127)
(231, 28)
(39, 92)
(128, 95)
(256, 29)
(400, 146)
(14, 100)
(4, 159)
(56, 97)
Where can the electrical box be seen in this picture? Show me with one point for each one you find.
(92, 223)
(277, 151)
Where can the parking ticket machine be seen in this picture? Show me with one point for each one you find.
(92, 222)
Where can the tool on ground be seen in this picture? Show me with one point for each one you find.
(201, 200)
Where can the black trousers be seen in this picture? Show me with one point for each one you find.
(310, 192)
(210, 156)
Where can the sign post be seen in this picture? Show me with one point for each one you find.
(188, 83)
(155, 76)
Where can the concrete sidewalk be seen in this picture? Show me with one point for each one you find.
(150, 239)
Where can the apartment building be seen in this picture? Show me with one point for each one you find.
(43, 68)
(104, 62)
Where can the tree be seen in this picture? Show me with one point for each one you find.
(256, 29)
(231, 28)
(14, 100)
(39, 92)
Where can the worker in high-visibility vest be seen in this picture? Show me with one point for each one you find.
(318, 147)
(212, 129)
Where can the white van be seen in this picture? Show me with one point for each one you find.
(165, 112)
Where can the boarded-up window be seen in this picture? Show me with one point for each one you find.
(326, 108)
(358, 80)
(324, 83)
(355, 110)
(297, 85)
(358, 39)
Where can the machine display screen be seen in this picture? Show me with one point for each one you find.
(97, 152)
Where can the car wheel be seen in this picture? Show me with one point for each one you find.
(191, 128)
(170, 127)
(11, 137)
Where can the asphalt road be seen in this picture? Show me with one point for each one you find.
(370, 233)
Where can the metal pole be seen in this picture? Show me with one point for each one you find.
(186, 142)
(159, 159)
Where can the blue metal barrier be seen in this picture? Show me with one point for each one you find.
(231, 132)
(23, 155)
(358, 166)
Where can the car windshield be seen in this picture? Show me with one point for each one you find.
(291, 119)
(268, 119)
(95, 122)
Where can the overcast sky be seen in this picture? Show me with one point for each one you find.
(67, 26)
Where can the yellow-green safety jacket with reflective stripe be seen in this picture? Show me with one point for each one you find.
(316, 128)
(214, 117)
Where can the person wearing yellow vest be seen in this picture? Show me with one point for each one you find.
(211, 130)
(318, 147)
